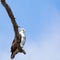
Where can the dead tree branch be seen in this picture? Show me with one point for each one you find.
(15, 48)
(9, 11)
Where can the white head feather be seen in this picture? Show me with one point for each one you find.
(22, 30)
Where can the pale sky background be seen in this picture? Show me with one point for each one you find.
(41, 20)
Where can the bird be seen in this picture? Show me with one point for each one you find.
(17, 45)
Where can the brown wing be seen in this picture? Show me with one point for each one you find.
(8, 9)
(15, 48)
(15, 43)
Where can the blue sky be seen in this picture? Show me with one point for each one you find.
(41, 20)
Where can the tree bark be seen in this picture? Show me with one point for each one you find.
(9, 11)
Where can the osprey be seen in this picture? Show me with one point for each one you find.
(17, 46)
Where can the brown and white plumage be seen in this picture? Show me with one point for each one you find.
(18, 46)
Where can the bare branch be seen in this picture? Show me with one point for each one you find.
(9, 11)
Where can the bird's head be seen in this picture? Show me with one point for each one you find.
(22, 30)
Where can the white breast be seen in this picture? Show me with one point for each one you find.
(23, 39)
